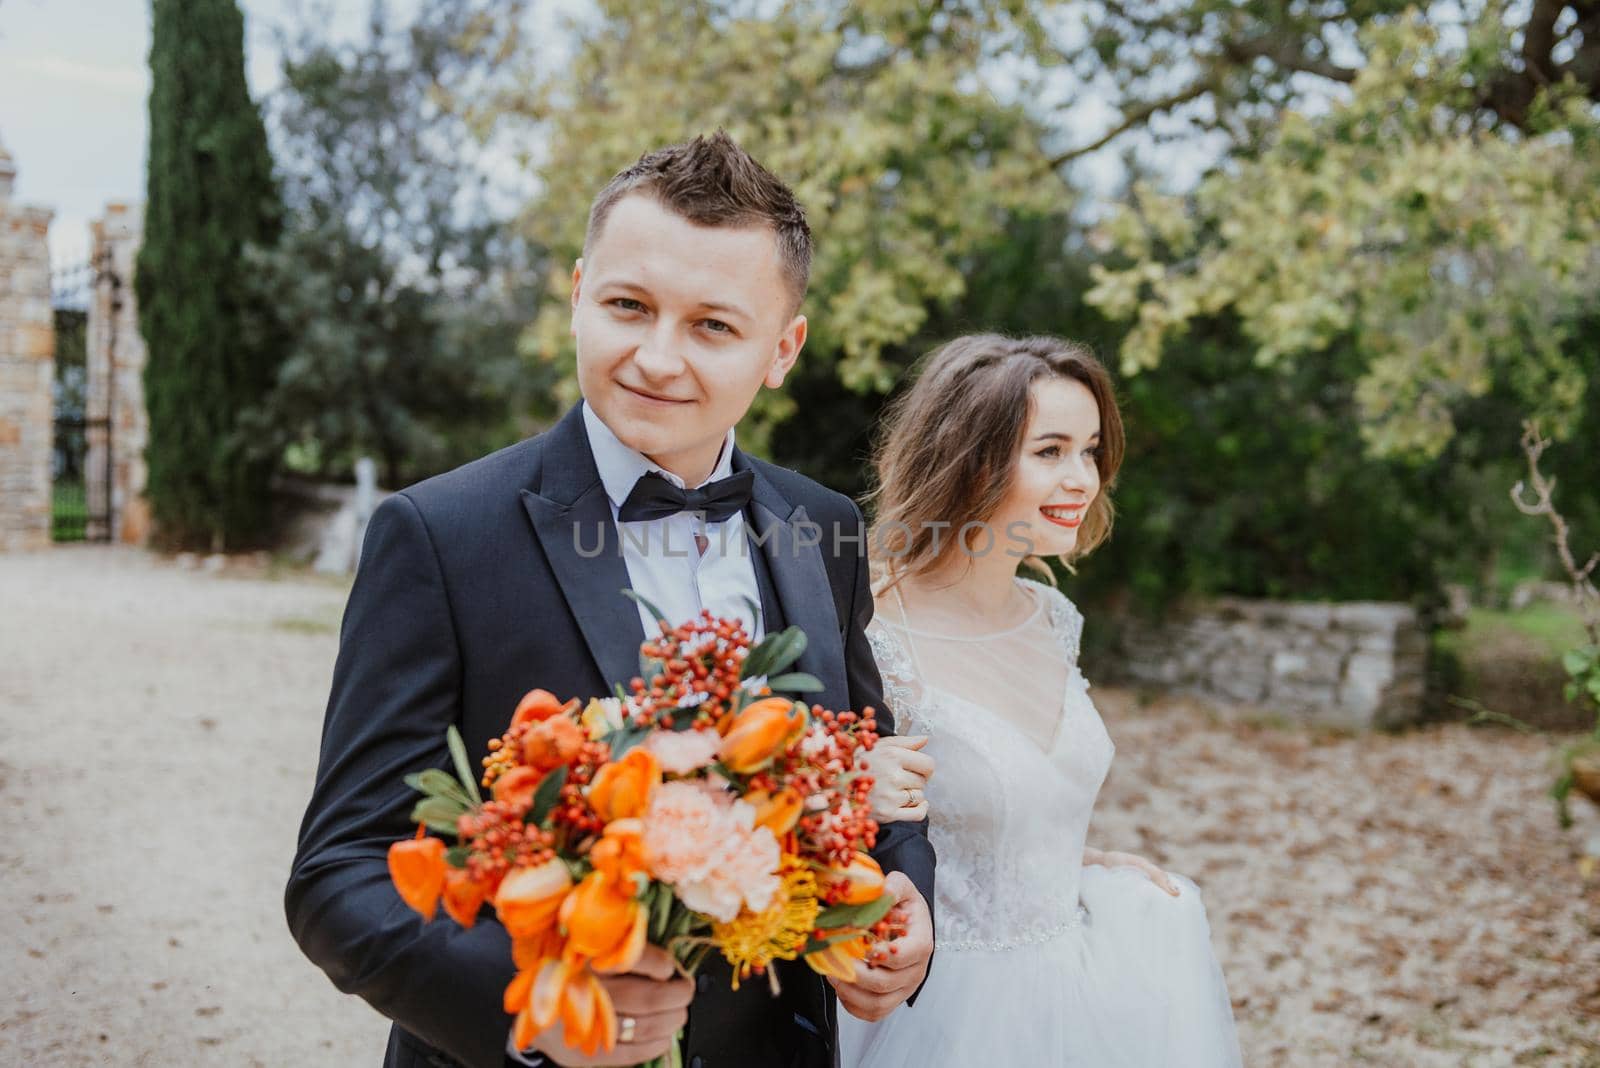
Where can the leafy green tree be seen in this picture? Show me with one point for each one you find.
(211, 193)
(401, 284)
(1453, 249)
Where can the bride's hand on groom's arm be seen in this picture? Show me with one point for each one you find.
(1131, 860)
(900, 774)
(886, 980)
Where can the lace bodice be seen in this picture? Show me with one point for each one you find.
(1008, 814)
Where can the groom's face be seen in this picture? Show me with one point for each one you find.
(678, 325)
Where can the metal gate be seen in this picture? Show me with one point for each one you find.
(82, 464)
(81, 499)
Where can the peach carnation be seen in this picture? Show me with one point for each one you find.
(706, 845)
(680, 752)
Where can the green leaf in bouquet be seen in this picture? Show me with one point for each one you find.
(456, 856)
(791, 643)
(621, 694)
(438, 813)
(795, 682)
(436, 783)
(683, 717)
(775, 653)
(815, 945)
(544, 798)
(641, 599)
(755, 610)
(458, 753)
(660, 911)
(649, 669)
(855, 915)
(625, 738)
(732, 778)
(756, 660)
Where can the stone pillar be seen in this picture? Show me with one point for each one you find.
(27, 370)
(116, 358)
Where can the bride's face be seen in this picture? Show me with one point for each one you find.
(1056, 474)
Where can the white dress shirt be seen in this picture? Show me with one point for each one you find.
(663, 562)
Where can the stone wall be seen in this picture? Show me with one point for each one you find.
(1357, 664)
(116, 359)
(27, 370)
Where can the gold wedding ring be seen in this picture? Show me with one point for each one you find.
(625, 1028)
(911, 798)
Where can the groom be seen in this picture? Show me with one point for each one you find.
(505, 574)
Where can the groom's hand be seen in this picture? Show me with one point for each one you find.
(654, 995)
(887, 979)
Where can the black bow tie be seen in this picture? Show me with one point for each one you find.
(654, 497)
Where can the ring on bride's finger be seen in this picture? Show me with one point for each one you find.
(911, 798)
(626, 1028)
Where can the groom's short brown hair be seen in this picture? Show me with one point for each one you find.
(711, 181)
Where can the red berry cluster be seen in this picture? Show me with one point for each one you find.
(825, 765)
(498, 840)
(884, 933)
(701, 657)
(572, 812)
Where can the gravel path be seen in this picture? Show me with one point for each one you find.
(1386, 900)
(161, 732)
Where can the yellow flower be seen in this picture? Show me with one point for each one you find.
(753, 940)
(602, 716)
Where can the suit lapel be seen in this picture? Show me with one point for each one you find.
(801, 582)
(571, 517)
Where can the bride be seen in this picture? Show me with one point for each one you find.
(1049, 953)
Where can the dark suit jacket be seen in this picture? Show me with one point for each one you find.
(473, 588)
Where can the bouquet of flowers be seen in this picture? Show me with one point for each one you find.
(703, 808)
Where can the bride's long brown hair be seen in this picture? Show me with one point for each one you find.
(947, 448)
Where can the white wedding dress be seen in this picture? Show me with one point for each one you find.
(1039, 961)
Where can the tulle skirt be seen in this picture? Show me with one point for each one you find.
(1136, 985)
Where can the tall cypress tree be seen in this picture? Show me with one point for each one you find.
(210, 193)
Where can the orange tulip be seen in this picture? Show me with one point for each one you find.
(760, 733)
(548, 991)
(529, 899)
(523, 1032)
(861, 882)
(619, 855)
(777, 812)
(463, 896)
(516, 785)
(601, 1030)
(552, 743)
(418, 869)
(604, 925)
(579, 1010)
(529, 951)
(839, 959)
(567, 991)
(621, 790)
(537, 705)
(519, 991)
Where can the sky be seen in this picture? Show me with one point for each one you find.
(73, 86)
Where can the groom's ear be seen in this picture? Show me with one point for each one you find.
(577, 281)
(790, 342)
